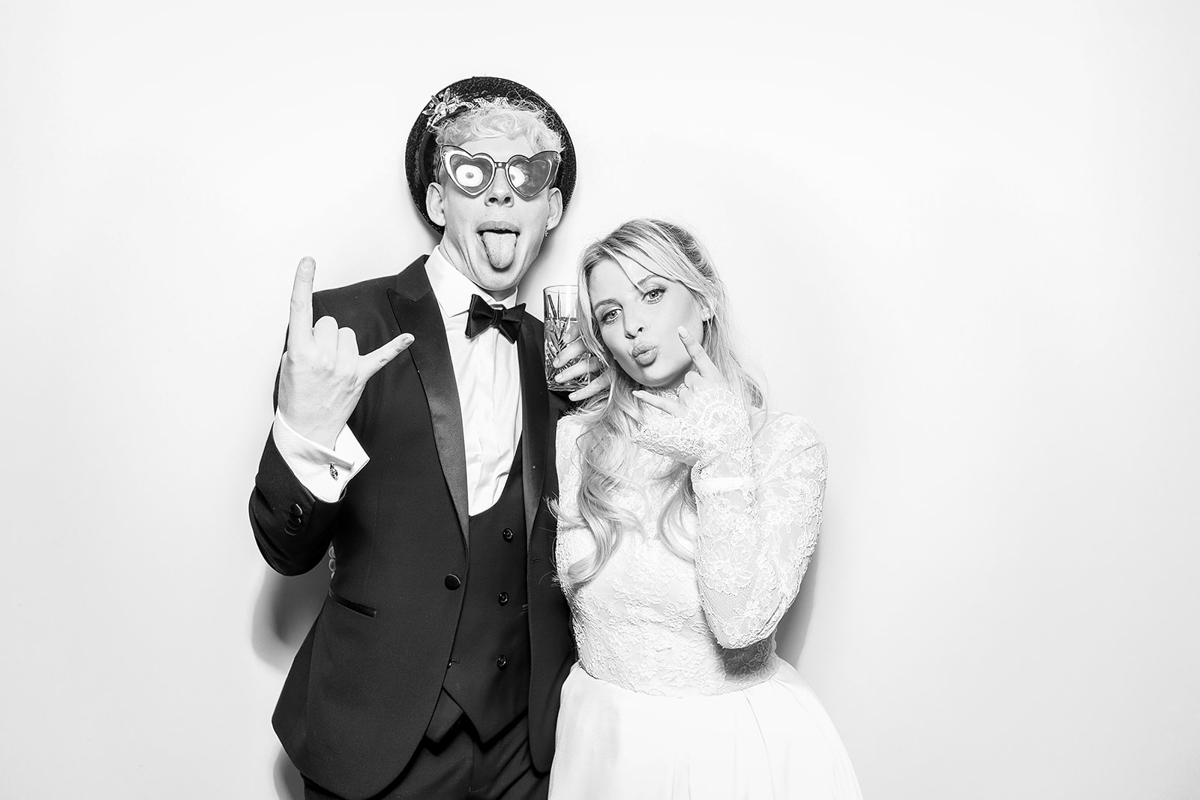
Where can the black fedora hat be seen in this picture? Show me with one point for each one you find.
(456, 98)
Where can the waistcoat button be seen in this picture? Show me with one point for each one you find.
(453, 582)
(501, 662)
(507, 534)
(503, 598)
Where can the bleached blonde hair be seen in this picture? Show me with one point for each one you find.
(498, 116)
(611, 419)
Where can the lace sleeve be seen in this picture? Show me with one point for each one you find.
(759, 503)
(758, 528)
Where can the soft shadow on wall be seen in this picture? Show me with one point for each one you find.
(288, 783)
(792, 632)
(285, 610)
(793, 628)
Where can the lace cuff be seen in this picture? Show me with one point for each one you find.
(714, 425)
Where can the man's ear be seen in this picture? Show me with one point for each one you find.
(433, 204)
(556, 210)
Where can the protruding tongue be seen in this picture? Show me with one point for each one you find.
(501, 248)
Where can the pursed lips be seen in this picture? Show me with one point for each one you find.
(644, 354)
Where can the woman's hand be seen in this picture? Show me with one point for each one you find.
(704, 377)
(706, 420)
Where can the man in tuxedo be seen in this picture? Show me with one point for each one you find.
(433, 669)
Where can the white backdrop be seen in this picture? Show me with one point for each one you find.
(961, 239)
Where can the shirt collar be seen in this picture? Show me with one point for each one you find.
(453, 289)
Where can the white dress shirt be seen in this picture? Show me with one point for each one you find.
(488, 375)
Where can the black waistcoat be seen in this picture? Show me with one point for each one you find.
(488, 674)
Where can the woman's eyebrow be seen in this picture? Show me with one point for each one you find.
(640, 285)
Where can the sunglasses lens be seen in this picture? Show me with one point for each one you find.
(471, 173)
(529, 176)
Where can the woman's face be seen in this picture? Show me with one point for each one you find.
(639, 315)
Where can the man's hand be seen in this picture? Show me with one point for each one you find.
(322, 375)
(588, 364)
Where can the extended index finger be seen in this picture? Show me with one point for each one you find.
(300, 322)
(378, 358)
(704, 364)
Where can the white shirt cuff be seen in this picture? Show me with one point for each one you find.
(322, 471)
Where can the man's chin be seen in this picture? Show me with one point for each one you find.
(501, 281)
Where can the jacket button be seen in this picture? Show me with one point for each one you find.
(501, 662)
(453, 582)
(297, 511)
(507, 534)
(503, 598)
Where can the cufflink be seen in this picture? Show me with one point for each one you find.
(333, 472)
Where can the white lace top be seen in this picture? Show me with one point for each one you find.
(655, 623)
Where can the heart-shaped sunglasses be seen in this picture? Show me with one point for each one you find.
(474, 173)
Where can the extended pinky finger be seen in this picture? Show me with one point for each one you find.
(659, 402)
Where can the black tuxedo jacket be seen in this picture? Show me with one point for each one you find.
(364, 683)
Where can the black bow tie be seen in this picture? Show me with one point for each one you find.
(483, 316)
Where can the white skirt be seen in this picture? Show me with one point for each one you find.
(773, 740)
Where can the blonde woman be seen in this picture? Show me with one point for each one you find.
(687, 517)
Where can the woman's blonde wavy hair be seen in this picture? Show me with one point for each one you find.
(611, 419)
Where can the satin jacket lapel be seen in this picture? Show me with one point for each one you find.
(417, 312)
(535, 421)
